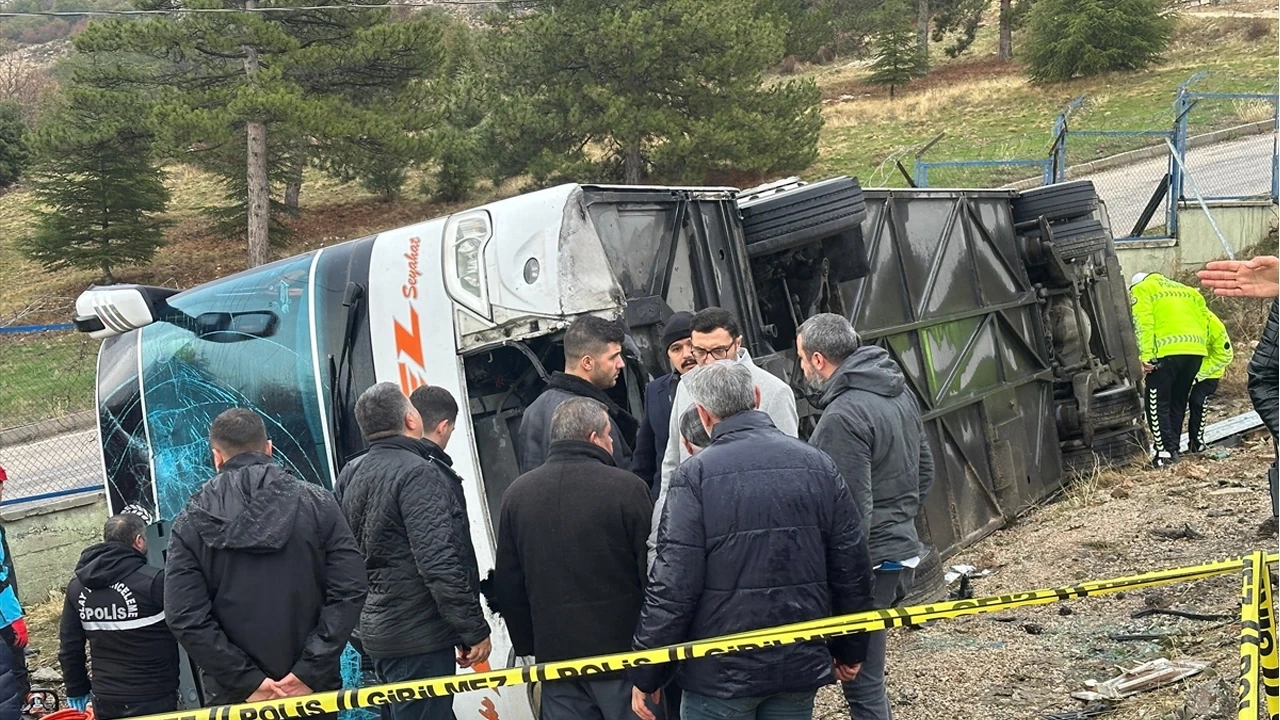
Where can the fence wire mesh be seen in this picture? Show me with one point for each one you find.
(1240, 165)
(48, 430)
(1126, 189)
(985, 163)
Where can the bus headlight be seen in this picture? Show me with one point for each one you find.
(466, 235)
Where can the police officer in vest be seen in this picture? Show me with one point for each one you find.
(116, 602)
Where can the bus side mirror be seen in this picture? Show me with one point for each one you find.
(116, 309)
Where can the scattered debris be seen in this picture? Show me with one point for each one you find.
(1147, 676)
(1219, 454)
(1120, 493)
(1220, 512)
(955, 572)
(1177, 613)
(1065, 610)
(1033, 629)
(1186, 532)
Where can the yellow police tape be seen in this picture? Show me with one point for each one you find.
(816, 630)
(1258, 652)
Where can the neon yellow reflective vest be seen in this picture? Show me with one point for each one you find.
(1169, 318)
(1220, 354)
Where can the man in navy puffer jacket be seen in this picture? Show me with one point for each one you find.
(759, 530)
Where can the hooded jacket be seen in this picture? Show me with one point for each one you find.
(871, 428)
(759, 532)
(407, 510)
(535, 425)
(115, 601)
(262, 579)
(1264, 368)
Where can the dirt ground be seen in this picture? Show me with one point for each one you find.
(1024, 663)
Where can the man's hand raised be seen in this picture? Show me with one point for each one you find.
(1259, 277)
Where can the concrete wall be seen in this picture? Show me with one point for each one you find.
(46, 540)
(1243, 223)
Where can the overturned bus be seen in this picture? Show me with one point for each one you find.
(1007, 312)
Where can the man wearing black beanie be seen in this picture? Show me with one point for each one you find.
(651, 443)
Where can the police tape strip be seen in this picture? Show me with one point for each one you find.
(1259, 655)
(816, 630)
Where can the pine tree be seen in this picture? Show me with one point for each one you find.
(14, 153)
(96, 186)
(1075, 38)
(270, 88)
(646, 90)
(897, 58)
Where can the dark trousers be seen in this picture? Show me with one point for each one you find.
(1168, 391)
(111, 709)
(587, 700)
(1200, 394)
(416, 667)
(866, 694)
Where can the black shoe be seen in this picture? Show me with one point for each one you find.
(1163, 459)
(1196, 449)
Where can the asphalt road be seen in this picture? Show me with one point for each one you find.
(1234, 168)
(61, 462)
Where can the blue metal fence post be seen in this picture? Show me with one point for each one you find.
(1177, 160)
(921, 173)
(1181, 107)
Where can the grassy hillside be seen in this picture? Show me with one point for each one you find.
(987, 109)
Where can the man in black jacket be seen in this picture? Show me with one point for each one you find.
(1264, 392)
(571, 561)
(263, 582)
(422, 617)
(759, 531)
(115, 601)
(871, 428)
(592, 362)
(1258, 277)
(655, 426)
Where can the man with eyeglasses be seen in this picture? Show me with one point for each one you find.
(718, 336)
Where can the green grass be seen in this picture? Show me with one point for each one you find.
(45, 375)
(989, 111)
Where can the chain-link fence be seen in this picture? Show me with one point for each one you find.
(983, 162)
(1241, 163)
(48, 425)
(1208, 145)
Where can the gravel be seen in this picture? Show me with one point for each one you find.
(975, 668)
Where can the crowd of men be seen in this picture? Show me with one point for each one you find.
(706, 517)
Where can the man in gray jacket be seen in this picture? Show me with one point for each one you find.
(717, 336)
(871, 428)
